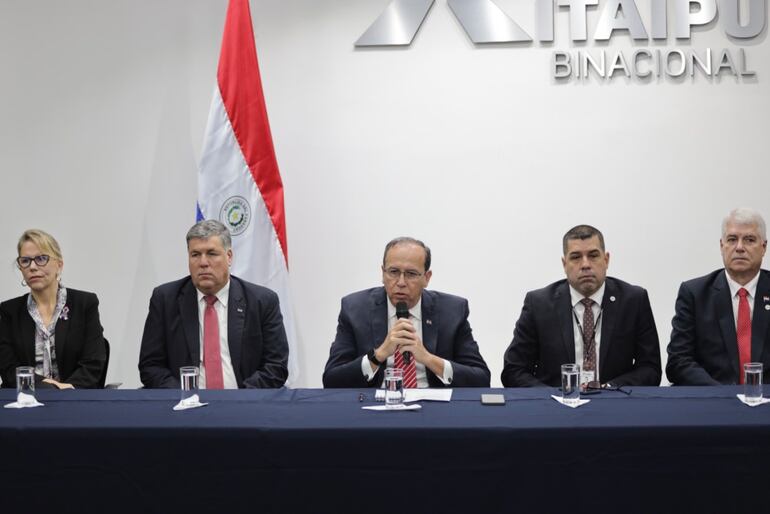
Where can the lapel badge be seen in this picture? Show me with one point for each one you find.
(767, 307)
(766, 298)
(430, 322)
(612, 298)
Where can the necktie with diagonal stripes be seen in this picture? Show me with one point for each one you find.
(410, 371)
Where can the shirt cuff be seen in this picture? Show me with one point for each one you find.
(366, 368)
(448, 373)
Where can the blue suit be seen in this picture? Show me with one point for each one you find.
(363, 325)
(255, 335)
(704, 346)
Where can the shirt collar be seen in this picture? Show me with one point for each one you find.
(751, 286)
(222, 295)
(576, 296)
(415, 312)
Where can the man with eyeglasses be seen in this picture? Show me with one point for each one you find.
(403, 325)
(601, 323)
(722, 320)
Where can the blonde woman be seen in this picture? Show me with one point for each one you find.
(53, 328)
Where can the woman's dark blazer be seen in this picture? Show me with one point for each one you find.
(80, 349)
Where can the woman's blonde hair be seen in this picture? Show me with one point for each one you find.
(43, 240)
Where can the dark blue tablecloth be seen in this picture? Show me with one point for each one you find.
(310, 450)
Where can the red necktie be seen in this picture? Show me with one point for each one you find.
(744, 331)
(410, 370)
(212, 358)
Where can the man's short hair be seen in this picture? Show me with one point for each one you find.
(745, 216)
(208, 228)
(407, 240)
(581, 232)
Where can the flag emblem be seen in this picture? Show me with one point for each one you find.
(235, 214)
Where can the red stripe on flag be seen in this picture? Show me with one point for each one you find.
(241, 89)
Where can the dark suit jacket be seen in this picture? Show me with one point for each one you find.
(543, 339)
(80, 349)
(704, 346)
(363, 325)
(255, 335)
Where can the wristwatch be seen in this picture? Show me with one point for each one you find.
(373, 358)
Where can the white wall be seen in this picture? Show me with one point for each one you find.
(476, 150)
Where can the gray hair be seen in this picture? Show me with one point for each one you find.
(745, 216)
(209, 228)
(407, 240)
(581, 232)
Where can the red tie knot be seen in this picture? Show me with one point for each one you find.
(743, 293)
(210, 300)
(587, 302)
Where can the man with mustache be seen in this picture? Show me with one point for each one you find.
(601, 323)
(230, 328)
(722, 319)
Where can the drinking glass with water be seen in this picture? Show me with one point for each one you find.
(189, 380)
(394, 387)
(25, 385)
(752, 382)
(570, 384)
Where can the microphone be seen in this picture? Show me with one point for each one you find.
(402, 311)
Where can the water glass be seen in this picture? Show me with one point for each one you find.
(394, 387)
(570, 384)
(25, 385)
(752, 382)
(189, 381)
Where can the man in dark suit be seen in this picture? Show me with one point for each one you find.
(722, 319)
(230, 328)
(601, 323)
(435, 335)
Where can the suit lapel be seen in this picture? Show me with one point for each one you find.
(61, 331)
(188, 312)
(761, 317)
(610, 309)
(724, 312)
(236, 319)
(27, 334)
(379, 317)
(429, 330)
(563, 307)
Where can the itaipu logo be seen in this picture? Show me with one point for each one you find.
(235, 214)
(657, 20)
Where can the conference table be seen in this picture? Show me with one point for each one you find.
(667, 449)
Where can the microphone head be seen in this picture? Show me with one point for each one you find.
(402, 311)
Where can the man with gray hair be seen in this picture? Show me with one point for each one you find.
(231, 329)
(721, 320)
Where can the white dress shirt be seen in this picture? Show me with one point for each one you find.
(415, 316)
(579, 309)
(751, 287)
(220, 306)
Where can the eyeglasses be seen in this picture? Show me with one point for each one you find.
(40, 260)
(595, 387)
(409, 275)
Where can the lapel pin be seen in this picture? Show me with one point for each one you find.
(239, 309)
(766, 298)
(429, 322)
(767, 307)
(612, 298)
